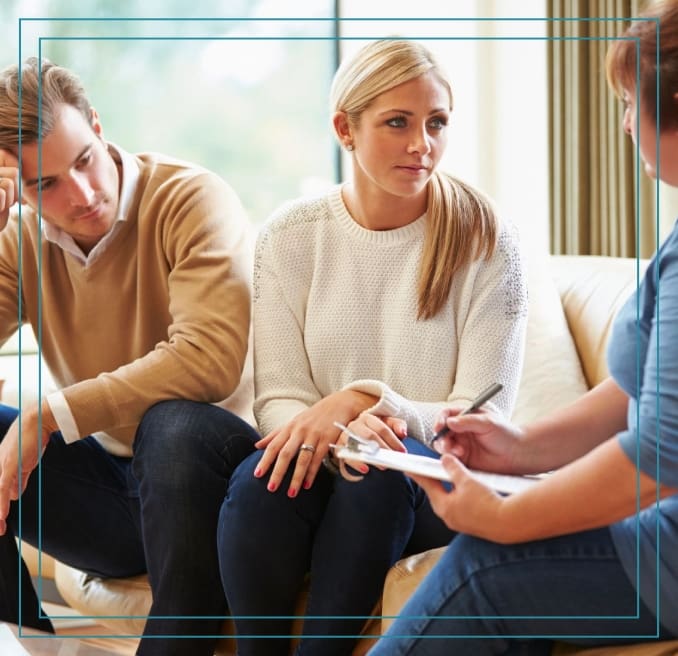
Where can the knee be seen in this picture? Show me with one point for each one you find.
(470, 557)
(244, 487)
(176, 425)
(185, 437)
(249, 505)
(378, 489)
(163, 427)
(246, 500)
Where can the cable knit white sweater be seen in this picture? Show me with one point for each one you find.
(335, 307)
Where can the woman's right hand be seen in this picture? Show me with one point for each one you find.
(480, 440)
(9, 184)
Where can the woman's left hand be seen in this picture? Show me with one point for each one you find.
(387, 432)
(307, 438)
(469, 507)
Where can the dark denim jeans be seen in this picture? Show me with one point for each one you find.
(115, 517)
(347, 535)
(485, 599)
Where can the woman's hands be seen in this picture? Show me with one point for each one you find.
(488, 442)
(387, 432)
(313, 429)
(469, 507)
(480, 440)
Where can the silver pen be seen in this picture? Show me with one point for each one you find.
(483, 397)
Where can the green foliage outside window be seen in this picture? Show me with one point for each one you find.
(246, 98)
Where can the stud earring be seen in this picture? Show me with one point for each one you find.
(349, 147)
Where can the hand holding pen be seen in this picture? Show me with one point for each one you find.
(482, 398)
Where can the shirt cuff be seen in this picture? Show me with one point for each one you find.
(63, 417)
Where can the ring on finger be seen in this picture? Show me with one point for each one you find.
(307, 447)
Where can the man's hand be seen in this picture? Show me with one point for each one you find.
(33, 445)
(9, 184)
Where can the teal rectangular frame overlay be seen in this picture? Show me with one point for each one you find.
(360, 38)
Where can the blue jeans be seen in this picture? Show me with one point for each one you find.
(480, 594)
(346, 534)
(116, 517)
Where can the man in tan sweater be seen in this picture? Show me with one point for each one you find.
(133, 271)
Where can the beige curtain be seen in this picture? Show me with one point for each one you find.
(594, 184)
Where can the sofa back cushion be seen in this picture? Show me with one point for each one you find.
(552, 374)
(593, 289)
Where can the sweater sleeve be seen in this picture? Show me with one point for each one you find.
(200, 231)
(9, 279)
(490, 344)
(283, 378)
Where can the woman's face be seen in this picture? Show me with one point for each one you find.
(401, 137)
(643, 131)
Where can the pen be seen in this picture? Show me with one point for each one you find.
(484, 396)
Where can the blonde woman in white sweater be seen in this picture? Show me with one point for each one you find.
(394, 296)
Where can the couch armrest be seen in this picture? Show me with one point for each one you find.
(402, 580)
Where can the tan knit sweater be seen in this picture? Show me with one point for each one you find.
(162, 314)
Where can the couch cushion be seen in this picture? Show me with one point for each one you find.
(402, 580)
(593, 289)
(120, 605)
(39, 564)
(552, 375)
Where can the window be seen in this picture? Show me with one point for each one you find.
(245, 98)
(248, 98)
(498, 137)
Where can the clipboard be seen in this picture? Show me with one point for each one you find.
(369, 452)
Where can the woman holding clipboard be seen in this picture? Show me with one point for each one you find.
(589, 555)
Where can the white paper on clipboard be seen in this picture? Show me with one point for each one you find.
(432, 467)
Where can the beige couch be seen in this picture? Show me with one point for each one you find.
(572, 303)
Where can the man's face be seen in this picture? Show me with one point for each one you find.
(79, 188)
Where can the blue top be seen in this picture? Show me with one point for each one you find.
(643, 360)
